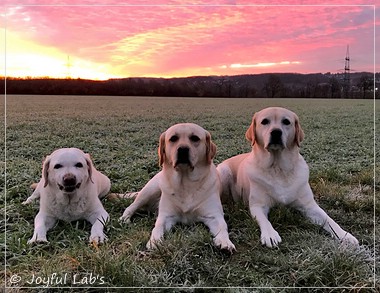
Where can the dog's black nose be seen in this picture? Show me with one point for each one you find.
(276, 136)
(183, 154)
(276, 133)
(69, 179)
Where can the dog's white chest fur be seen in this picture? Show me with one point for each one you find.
(68, 208)
(186, 197)
(280, 190)
(186, 204)
(281, 185)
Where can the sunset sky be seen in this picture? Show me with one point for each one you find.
(108, 39)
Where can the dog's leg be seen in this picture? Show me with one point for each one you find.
(149, 195)
(218, 229)
(226, 179)
(101, 181)
(36, 193)
(98, 221)
(163, 224)
(105, 186)
(269, 235)
(42, 224)
(318, 216)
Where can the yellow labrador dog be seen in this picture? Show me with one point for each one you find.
(274, 172)
(70, 189)
(187, 187)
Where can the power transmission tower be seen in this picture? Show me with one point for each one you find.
(346, 78)
(68, 64)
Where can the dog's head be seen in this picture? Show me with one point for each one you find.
(185, 146)
(275, 129)
(67, 169)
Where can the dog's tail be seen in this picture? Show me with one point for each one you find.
(114, 196)
(33, 186)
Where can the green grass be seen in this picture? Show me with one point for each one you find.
(121, 134)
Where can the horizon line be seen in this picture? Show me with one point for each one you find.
(174, 77)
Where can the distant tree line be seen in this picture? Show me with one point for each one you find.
(285, 85)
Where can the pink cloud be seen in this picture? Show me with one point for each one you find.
(148, 39)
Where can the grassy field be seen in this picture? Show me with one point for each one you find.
(121, 134)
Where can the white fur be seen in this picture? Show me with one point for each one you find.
(274, 174)
(80, 200)
(186, 192)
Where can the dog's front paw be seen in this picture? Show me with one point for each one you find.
(98, 238)
(126, 217)
(349, 239)
(29, 200)
(270, 238)
(36, 239)
(224, 244)
(152, 244)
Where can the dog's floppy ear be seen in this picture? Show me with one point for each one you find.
(250, 134)
(89, 166)
(299, 134)
(210, 148)
(45, 170)
(161, 150)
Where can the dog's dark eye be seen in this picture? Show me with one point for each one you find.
(174, 138)
(265, 122)
(57, 166)
(286, 121)
(79, 165)
(194, 138)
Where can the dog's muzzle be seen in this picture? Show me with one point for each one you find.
(183, 157)
(275, 142)
(69, 183)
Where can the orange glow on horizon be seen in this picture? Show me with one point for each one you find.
(27, 59)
